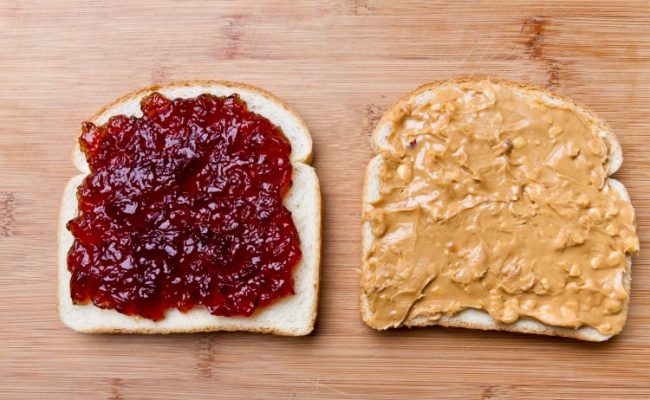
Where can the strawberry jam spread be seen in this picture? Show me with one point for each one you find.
(182, 208)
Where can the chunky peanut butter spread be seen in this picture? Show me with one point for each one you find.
(499, 201)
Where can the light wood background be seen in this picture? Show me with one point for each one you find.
(340, 64)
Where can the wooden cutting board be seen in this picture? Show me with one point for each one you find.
(340, 64)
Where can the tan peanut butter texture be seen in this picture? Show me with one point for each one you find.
(498, 203)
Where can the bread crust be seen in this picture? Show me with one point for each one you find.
(300, 164)
(473, 318)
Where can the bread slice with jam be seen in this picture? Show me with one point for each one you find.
(291, 315)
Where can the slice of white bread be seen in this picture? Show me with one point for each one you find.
(293, 315)
(474, 318)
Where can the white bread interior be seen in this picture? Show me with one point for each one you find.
(293, 315)
(474, 318)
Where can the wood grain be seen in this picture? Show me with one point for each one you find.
(340, 64)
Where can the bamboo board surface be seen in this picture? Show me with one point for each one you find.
(340, 64)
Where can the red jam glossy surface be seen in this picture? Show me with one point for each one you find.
(183, 207)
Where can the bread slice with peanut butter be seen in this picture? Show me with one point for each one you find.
(489, 205)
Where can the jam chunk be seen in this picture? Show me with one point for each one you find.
(183, 208)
